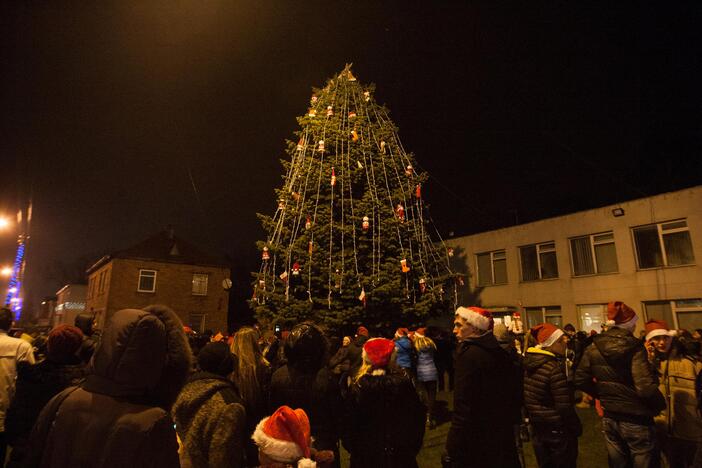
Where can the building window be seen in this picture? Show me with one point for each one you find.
(682, 314)
(539, 261)
(197, 322)
(592, 316)
(492, 268)
(549, 314)
(147, 281)
(101, 286)
(663, 244)
(594, 254)
(200, 284)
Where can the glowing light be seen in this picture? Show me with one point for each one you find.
(12, 290)
(4, 223)
(6, 271)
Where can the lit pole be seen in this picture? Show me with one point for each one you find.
(13, 298)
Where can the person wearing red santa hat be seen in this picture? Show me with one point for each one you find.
(549, 400)
(487, 396)
(679, 426)
(384, 419)
(284, 440)
(615, 369)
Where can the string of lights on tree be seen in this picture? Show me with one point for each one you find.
(350, 232)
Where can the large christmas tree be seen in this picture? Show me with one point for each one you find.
(348, 243)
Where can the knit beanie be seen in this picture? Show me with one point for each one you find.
(63, 342)
(216, 358)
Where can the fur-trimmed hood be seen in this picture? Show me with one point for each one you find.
(143, 355)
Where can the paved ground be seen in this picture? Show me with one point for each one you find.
(592, 451)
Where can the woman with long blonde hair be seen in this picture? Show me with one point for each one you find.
(252, 376)
(427, 375)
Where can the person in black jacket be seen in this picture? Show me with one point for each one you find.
(384, 419)
(549, 399)
(356, 349)
(615, 369)
(38, 383)
(306, 382)
(487, 397)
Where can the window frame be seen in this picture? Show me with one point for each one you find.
(593, 243)
(661, 243)
(207, 280)
(674, 309)
(544, 314)
(603, 315)
(539, 250)
(492, 267)
(155, 276)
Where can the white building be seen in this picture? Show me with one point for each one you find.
(565, 269)
(70, 301)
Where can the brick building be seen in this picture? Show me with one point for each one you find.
(163, 269)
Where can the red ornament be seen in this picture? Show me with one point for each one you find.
(352, 115)
(418, 191)
(296, 269)
(265, 255)
(400, 212)
(308, 223)
(404, 266)
(333, 177)
(365, 224)
(300, 145)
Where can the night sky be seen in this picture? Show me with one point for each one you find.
(123, 118)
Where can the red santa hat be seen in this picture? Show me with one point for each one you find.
(401, 332)
(377, 353)
(285, 437)
(658, 328)
(479, 318)
(361, 331)
(621, 314)
(422, 331)
(546, 334)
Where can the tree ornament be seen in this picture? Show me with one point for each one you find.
(360, 166)
(449, 251)
(281, 204)
(265, 255)
(308, 223)
(312, 113)
(352, 115)
(382, 147)
(349, 76)
(400, 212)
(404, 266)
(310, 247)
(418, 191)
(320, 146)
(366, 95)
(296, 269)
(362, 297)
(262, 284)
(284, 276)
(330, 111)
(337, 280)
(296, 196)
(460, 281)
(422, 285)
(313, 99)
(365, 224)
(354, 135)
(333, 177)
(409, 171)
(300, 145)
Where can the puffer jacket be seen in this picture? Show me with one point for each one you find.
(680, 418)
(211, 422)
(615, 369)
(404, 350)
(120, 415)
(426, 368)
(548, 398)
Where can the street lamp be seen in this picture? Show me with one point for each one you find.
(6, 271)
(4, 223)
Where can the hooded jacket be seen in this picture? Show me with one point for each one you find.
(405, 350)
(615, 369)
(211, 422)
(119, 416)
(548, 398)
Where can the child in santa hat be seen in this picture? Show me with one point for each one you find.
(284, 441)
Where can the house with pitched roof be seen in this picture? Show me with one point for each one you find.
(163, 269)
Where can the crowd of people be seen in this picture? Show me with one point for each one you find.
(149, 392)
